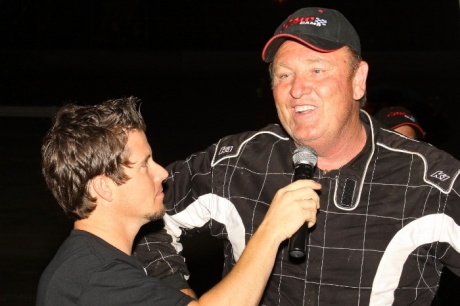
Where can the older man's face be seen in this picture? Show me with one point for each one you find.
(314, 92)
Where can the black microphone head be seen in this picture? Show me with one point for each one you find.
(305, 155)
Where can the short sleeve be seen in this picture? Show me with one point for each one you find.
(120, 283)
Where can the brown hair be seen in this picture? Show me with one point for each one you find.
(86, 141)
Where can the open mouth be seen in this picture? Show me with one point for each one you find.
(303, 108)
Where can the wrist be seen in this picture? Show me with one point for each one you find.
(270, 234)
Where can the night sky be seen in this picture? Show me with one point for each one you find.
(92, 50)
(216, 24)
(87, 51)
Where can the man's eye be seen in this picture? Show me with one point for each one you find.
(283, 76)
(317, 71)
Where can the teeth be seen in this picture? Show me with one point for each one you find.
(303, 108)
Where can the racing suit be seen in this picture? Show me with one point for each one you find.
(388, 220)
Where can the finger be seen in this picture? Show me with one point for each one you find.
(303, 183)
(311, 203)
(310, 208)
(305, 194)
(310, 212)
(315, 201)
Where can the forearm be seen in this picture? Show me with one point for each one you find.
(291, 207)
(245, 284)
(189, 292)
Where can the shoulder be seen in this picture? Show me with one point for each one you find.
(67, 274)
(79, 258)
(88, 270)
(231, 146)
(439, 168)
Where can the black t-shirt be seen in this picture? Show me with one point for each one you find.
(86, 270)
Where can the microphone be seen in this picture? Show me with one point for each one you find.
(304, 159)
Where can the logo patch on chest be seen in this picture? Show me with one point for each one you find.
(225, 150)
(440, 175)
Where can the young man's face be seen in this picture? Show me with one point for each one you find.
(141, 197)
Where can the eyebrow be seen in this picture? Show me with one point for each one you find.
(309, 61)
(318, 60)
(146, 158)
(139, 162)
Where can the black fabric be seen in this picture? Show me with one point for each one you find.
(173, 270)
(389, 244)
(88, 271)
(348, 192)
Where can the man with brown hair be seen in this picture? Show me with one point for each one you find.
(99, 166)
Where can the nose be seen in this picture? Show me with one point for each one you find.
(300, 86)
(162, 173)
(159, 173)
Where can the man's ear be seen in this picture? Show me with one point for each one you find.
(100, 186)
(359, 80)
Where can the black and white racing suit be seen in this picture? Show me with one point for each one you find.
(388, 222)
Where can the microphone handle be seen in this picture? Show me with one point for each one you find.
(297, 243)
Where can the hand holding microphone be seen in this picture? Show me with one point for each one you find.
(294, 204)
(304, 159)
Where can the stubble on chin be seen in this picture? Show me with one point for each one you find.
(157, 215)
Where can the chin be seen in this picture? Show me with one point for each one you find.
(156, 216)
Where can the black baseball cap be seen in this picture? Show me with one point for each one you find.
(396, 116)
(322, 29)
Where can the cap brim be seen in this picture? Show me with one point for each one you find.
(313, 42)
(418, 130)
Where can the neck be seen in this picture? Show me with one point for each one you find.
(343, 149)
(114, 233)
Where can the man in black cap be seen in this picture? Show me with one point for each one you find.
(401, 120)
(390, 207)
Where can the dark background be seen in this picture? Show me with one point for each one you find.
(196, 65)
